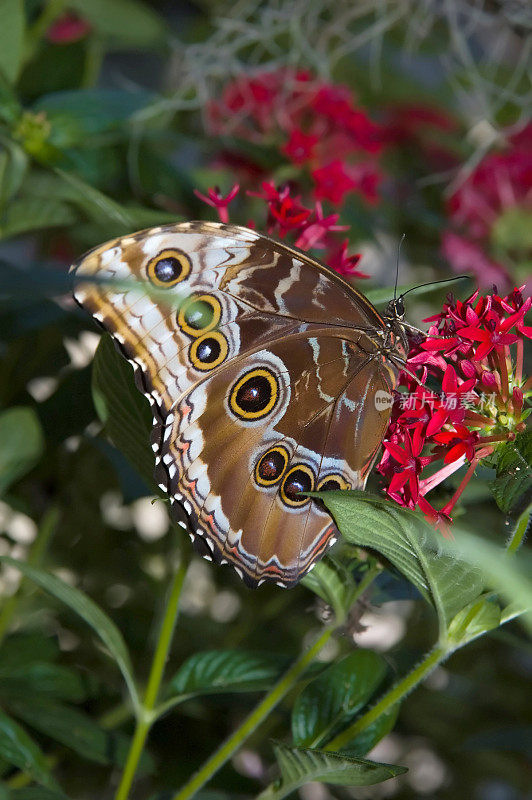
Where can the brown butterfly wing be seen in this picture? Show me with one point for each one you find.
(266, 307)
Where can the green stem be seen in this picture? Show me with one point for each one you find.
(51, 11)
(267, 704)
(145, 717)
(38, 548)
(519, 531)
(400, 690)
(273, 697)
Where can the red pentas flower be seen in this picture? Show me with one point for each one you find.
(67, 29)
(300, 146)
(344, 264)
(332, 182)
(218, 201)
(464, 419)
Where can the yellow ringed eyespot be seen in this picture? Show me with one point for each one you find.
(299, 478)
(168, 268)
(208, 351)
(199, 314)
(254, 395)
(331, 482)
(271, 466)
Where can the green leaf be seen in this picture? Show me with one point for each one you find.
(411, 545)
(332, 700)
(124, 411)
(300, 766)
(74, 729)
(216, 671)
(514, 472)
(12, 24)
(127, 22)
(31, 214)
(332, 581)
(77, 116)
(13, 167)
(95, 204)
(475, 619)
(18, 749)
(21, 444)
(506, 573)
(88, 611)
(42, 678)
(365, 741)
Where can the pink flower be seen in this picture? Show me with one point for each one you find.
(333, 182)
(215, 199)
(300, 146)
(318, 228)
(344, 264)
(466, 256)
(493, 335)
(67, 29)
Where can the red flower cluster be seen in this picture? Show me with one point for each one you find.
(308, 119)
(286, 215)
(474, 353)
(502, 180)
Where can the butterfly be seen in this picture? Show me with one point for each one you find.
(262, 367)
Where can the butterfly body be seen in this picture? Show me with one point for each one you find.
(261, 369)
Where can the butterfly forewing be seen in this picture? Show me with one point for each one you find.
(261, 367)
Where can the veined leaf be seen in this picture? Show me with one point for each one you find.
(122, 408)
(411, 545)
(42, 678)
(299, 766)
(74, 729)
(18, 749)
(216, 671)
(368, 738)
(21, 444)
(514, 471)
(332, 700)
(87, 610)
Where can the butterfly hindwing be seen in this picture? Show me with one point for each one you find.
(261, 367)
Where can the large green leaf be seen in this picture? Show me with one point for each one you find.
(31, 214)
(122, 408)
(35, 793)
(215, 671)
(42, 678)
(411, 545)
(18, 749)
(508, 574)
(332, 699)
(21, 444)
(299, 766)
(12, 24)
(366, 740)
(87, 610)
(127, 22)
(74, 729)
(76, 116)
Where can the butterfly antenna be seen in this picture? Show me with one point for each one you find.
(433, 283)
(397, 267)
